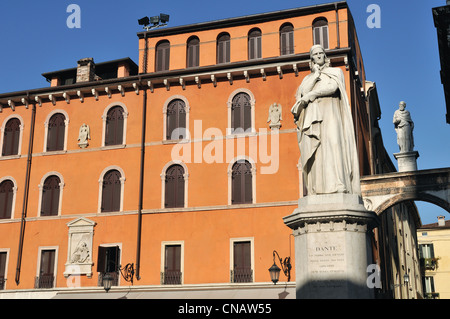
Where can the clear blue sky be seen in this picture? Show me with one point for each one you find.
(401, 57)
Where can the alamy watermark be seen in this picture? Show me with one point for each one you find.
(374, 19)
(212, 146)
(74, 19)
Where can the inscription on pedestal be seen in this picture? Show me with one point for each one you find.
(326, 262)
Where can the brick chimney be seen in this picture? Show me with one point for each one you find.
(86, 70)
(441, 221)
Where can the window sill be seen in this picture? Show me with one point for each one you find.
(9, 157)
(181, 141)
(112, 147)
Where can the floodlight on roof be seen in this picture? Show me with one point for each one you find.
(164, 18)
(144, 21)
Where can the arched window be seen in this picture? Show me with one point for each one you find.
(254, 44)
(241, 183)
(193, 52)
(51, 196)
(111, 192)
(223, 48)
(6, 199)
(114, 126)
(320, 32)
(286, 39)
(241, 112)
(162, 60)
(56, 132)
(174, 187)
(176, 120)
(11, 137)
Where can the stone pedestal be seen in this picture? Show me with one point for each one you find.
(407, 161)
(332, 247)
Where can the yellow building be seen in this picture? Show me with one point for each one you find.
(434, 250)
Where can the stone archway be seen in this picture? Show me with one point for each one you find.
(380, 192)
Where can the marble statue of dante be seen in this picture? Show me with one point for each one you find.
(404, 127)
(325, 132)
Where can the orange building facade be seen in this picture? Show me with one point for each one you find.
(92, 178)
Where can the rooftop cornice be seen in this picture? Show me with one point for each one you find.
(191, 76)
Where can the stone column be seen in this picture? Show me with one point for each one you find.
(407, 161)
(332, 246)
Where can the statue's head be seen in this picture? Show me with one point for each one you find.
(402, 105)
(318, 55)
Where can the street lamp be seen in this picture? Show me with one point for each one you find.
(127, 273)
(405, 282)
(286, 266)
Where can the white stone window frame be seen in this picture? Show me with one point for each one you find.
(163, 256)
(7, 251)
(66, 129)
(163, 183)
(230, 178)
(188, 109)
(125, 120)
(2, 137)
(100, 187)
(229, 106)
(55, 266)
(252, 253)
(61, 191)
(15, 188)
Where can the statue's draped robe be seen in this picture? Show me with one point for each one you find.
(326, 138)
(404, 129)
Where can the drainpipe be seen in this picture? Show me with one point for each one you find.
(141, 186)
(141, 174)
(337, 27)
(26, 193)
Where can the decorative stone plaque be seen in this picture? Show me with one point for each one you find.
(79, 252)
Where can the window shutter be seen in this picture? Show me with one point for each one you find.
(248, 184)
(162, 56)
(111, 191)
(114, 126)
(6, 199)
(236, 184)
(193, 53)
(47, 262)
(174, 190)
(180, 187)
(101, 259)
(11, 138)
(173, 258)
(56, 132)
(50, 196)
(223, 49)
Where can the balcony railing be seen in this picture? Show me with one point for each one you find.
(431, 295)
(429, 263)
(241, 275)
(171, 277)
(2, 283)
(44, 281)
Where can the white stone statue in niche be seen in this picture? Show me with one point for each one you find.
(79, 252)
(325, 130)
(404, 127)
(275, 116)
(83, 136)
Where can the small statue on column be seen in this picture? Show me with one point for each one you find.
(404, 127)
